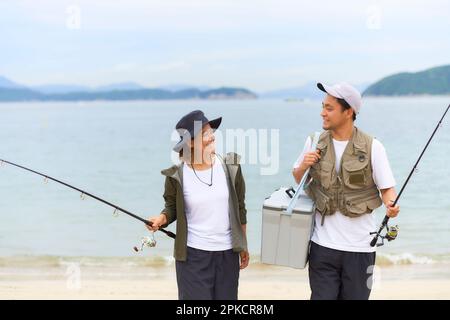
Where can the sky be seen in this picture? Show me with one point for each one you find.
(257, 44)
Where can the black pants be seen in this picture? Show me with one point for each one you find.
(208, 275)
(340, 275)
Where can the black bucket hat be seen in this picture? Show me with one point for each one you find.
(188, 130)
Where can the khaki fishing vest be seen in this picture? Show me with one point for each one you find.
(352, 191)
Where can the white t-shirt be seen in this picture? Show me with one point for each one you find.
(340, 232)
(206, 209)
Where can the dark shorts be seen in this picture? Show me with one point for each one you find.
(340, 275)
(208, 275)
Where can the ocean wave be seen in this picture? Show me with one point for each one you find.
(155, 261)
(406, 259)
(47, 261)
(385, 259)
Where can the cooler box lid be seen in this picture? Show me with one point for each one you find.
(279, 201)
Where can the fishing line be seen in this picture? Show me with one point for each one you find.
(83, 194)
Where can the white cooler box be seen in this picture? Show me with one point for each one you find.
(286, 237)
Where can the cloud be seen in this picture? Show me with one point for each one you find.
(255, 43)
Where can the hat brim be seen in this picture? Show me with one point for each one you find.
(215, 123)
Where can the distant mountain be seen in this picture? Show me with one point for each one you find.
(181, 87)
(307, 91)
(10, 91)
(6, 83)
(18, 94)
(120, 87)
(62, 88)
(153, 94)
(227, 93)
(362, 86)
(71, 88)
(432, 81)
(59, 88)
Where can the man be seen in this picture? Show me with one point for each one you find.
(350, 177)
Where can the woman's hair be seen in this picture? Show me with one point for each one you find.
(346, 106)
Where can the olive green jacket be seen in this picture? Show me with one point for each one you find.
(174, 204)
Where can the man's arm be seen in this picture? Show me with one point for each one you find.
(298, 174)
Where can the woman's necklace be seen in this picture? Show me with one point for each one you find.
(212, 169)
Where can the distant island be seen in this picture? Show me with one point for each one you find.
(434, 81)
(10, 92)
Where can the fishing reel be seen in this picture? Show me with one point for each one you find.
(391, 234)
(148, 241)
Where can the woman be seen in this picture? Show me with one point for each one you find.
(205, 194)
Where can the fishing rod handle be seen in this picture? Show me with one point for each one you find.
(374, 241)
(168, 233)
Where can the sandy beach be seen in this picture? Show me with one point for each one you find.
(157, 281)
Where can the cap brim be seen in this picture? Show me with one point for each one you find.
(320, 86)
(329, 90)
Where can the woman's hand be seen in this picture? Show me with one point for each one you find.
(157, 222)
(245, 257)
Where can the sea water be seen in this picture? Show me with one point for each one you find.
(116, 151)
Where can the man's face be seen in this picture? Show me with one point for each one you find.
(333, 114)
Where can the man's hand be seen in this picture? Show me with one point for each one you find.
(388, 195)
(391, 211)
(309, 159)
(157, 222)
(245, 257)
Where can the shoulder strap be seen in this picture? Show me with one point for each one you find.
(299, 188)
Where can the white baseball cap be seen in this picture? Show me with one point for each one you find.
(344, 91)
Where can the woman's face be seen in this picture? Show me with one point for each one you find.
(208, 138)
(204, 144)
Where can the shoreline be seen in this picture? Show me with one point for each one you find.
(257, 282)
(48, 260)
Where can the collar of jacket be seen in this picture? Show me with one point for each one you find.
(356, 141)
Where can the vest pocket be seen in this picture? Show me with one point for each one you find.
(322, 202)
(358, 207)
(314, 171)
(325, 174)
(355, 174)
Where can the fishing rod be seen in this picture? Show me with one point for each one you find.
(392, 232)
(146, 241)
